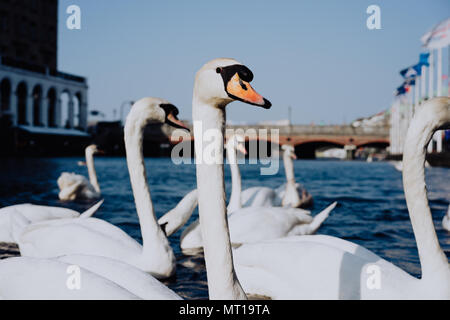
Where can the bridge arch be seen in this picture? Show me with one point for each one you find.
(307, 149)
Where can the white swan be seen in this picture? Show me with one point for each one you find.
(310, 266)
(290, 194)
(99, 278)
(218, 83)
(97, 237)
(74, 186)
(321, 267)
(34, 213)
(446, 220)
(235, 143)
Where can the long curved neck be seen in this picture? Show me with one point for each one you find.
(179, 216)
(288, 168)
(427, 120)
(152, 235)
(236, 187)
(222, 280)
(91, 170)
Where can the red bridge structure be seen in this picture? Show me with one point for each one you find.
(307, 139)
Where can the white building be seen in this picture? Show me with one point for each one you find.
(50, 100)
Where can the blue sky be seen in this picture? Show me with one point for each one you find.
(316, 56)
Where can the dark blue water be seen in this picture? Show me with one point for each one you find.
(371, 212)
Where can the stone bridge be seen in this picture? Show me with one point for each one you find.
(308, 138)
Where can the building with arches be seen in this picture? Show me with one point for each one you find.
(38, 103)
(34, 100)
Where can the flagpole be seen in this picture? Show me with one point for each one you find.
(423, 84)
(416, 95)
(431, 75)
(439, 72)
(411, 110)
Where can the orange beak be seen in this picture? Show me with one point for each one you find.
(174, 122)
(293, 156)
(243, 91)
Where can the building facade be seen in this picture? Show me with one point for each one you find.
(32, 99)
(34, 95)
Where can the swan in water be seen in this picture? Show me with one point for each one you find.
(290, 194)
(309, 266)
(31, 213)
(97, 237)
(446, 220)
(74, 186)
(323, 267)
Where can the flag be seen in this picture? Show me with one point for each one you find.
(409, 73)
(438, 37)
(400, 90)
(423, 59)
(410, 82)
(404, 88)
(418, 69)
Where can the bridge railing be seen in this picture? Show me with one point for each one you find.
(322, 130)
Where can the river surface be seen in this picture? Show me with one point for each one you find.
(371, 207)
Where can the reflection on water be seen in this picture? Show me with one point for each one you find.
(371, 212)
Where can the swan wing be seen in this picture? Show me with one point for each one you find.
(30, 213)
(259, 197)
(262, 223)
(306, 268)
(30, 278)
(128, 277)
(77, 236)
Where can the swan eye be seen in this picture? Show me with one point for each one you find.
(245, 74)
(219, 70)
(243, 86)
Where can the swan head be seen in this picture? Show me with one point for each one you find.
(289, 150)
(221, 81)
(237, 142)
(155, 110)
(92, 149)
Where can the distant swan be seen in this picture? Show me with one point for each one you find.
(97, 237)
(74, 186)
(290, 194)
